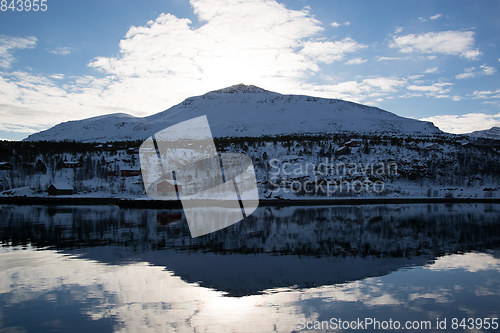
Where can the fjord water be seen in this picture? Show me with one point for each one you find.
(110, 269)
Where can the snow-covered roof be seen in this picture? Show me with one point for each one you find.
(131, 169)
(170, 181)
(62, 186)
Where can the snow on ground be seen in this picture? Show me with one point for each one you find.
(412, 167)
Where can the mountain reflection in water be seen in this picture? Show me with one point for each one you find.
(127, 269)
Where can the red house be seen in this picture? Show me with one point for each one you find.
(166, 187)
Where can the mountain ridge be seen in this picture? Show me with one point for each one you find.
(243, 111)
(492, 133)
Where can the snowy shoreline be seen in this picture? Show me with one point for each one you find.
(167, 204)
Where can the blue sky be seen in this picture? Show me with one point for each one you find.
(432, 60)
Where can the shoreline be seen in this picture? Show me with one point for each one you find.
(170, 204)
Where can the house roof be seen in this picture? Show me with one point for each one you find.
(62, 186)
(170, 181)
(131, 169)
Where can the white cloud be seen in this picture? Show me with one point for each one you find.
(487, 70)
(494, 103)
(384, 84)
(336, 25)
(434, 90)
(329, 52)
(61, 50)
(471, 72)
(486, 94)
(415, 77)
(425, 88)
(465, 75)
(391, 58)
(466, 123)
(398, 30)
(434, 17)
(43, 103)
(355, 61)
(431, 70)
(242, 41)
(159, 64)
(9, 44)
(167, 60)
(376, 88)
(445, 42)
(357, 91)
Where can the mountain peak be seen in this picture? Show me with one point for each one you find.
(240, 88)
(245, 111)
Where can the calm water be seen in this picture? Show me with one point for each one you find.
(106, 269)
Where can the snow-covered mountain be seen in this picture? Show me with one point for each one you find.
(243, 111)
(492, 133)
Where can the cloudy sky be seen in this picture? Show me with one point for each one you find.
(432, 60)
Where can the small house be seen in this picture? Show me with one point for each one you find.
(167, 187)
(60, 189)
(351, 144)
(133, 150)
(130, 172)
(343, 151)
